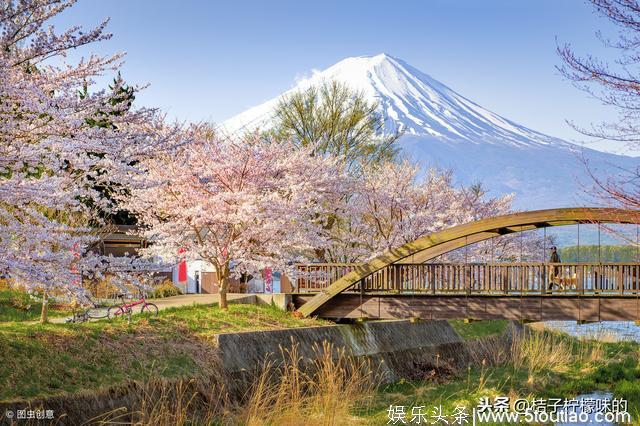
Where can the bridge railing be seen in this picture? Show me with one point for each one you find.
(481, 278)
(316, 276)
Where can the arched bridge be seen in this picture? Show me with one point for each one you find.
(401, 284)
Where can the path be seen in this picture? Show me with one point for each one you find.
(199, 299)
(184, 300)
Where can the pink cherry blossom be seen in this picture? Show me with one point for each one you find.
(240, 203)
(51, 158)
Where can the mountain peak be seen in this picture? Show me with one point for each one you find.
(410, 101)
(444, 129)
(371, 59)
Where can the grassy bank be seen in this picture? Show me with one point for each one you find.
(342, 391)
(20, 306)
(46, 360)
(39, 360)
(542, 365)
(478, 329)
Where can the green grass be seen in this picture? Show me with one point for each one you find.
(18, 306)
(39, 360)
(465, 390)
(617, 370)
(477, 329)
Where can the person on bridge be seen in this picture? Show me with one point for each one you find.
(554, 258)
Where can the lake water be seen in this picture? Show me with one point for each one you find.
(605, 330)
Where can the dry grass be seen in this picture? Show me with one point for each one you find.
(535, 351)
(102, 288)
(589, 353)
(322, 393)
(5, 284)
(491, 351)
(538, 351)
(602, 335)
(163, 403)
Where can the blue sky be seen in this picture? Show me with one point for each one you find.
(207, 60)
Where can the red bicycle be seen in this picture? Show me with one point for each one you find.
(126, 308)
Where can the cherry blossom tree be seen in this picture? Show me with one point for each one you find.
(394, 204)
(240, 203)
(60, 141)
(523, 246)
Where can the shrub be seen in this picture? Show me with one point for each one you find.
(103, 288)
(21, 302)
(5, 284)
(617, 372)
(629, 390)
(166, 289)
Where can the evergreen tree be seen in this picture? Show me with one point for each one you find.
(593, 253)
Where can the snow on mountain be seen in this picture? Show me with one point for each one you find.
(444, 129)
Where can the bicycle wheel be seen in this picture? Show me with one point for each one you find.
(97, 313)
(115, 311)
(149, 308)
(76, 318)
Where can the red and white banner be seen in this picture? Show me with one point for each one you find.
(182, 268)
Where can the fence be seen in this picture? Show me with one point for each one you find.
(480, 278)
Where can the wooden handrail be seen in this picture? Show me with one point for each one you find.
(482, 278)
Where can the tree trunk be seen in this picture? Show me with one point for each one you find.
(223, 282)
(44, 313)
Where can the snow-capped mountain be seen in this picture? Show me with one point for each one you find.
(444, 129)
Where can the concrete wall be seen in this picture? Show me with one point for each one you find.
(281, 300)
(397, 348)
